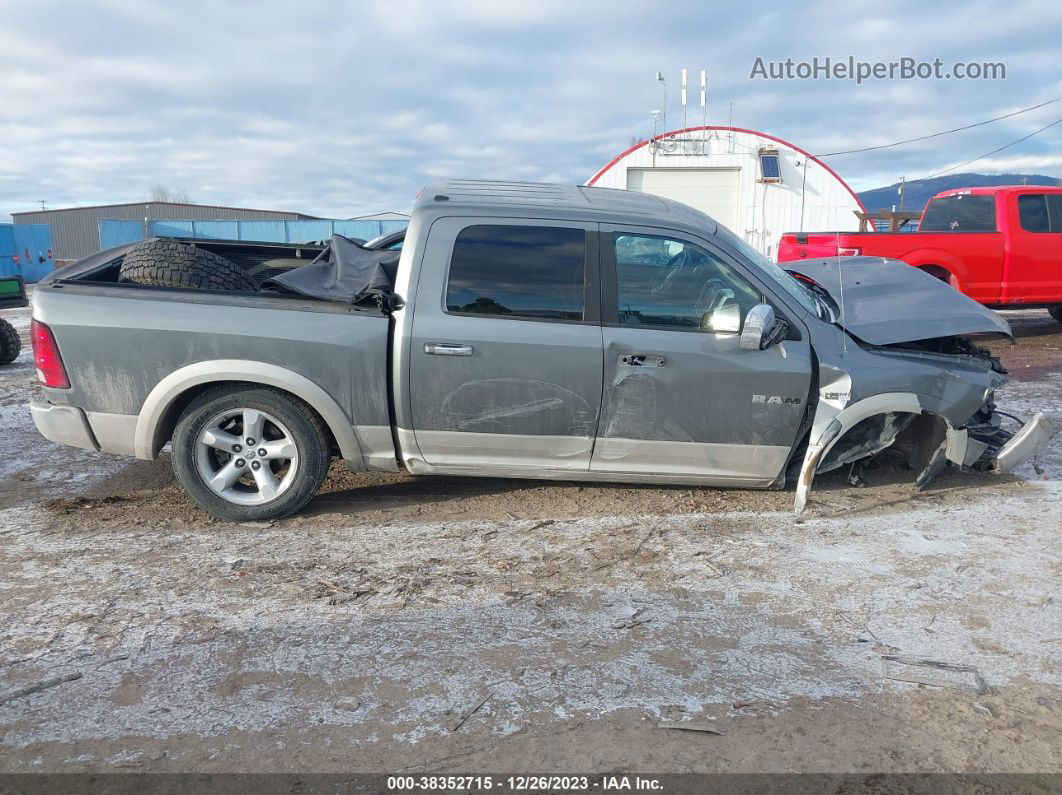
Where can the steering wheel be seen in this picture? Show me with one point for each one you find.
(714, 293)
(670, 270)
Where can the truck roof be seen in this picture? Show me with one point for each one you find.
(539, 196)
(993, 189)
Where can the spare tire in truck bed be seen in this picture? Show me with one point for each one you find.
(168, 263)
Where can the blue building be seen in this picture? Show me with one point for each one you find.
(26, 251)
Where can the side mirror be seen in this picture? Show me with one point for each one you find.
(762, 329)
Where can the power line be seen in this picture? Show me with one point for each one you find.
(994, 151)
(945, 132)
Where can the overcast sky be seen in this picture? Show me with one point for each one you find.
(341, 109)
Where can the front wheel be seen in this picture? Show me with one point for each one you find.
(250, 453)
(1056, 312)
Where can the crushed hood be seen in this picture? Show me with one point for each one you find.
(886, 301)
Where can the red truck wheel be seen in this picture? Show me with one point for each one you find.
(937, 272)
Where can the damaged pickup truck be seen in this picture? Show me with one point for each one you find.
(517, 330)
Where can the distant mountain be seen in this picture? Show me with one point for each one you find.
(920, 191)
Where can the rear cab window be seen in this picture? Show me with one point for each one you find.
(964, 212)
(518, 272)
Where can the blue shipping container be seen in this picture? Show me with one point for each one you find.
(26, 251)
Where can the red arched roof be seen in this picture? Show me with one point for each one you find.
(698, 128)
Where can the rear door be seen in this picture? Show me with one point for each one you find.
(1035, 249)
(505, 359)
(681, 396)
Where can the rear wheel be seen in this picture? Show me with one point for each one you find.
(250, 453)
(1056, 312)
(10, 344)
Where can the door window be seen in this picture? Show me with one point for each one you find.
(670, 283)
(530, 272)
(1032, 212)
(1054, 206)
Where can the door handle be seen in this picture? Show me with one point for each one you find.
(642, 360)
(447, 349)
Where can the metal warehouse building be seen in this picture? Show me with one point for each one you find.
(75, 230)
(757, 185)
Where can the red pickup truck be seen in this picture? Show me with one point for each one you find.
(1002, 246)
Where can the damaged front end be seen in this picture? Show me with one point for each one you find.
(899, 370)
(920, 425)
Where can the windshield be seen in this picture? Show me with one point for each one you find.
(392, 241)
(772, 271)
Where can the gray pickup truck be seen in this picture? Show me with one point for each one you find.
(520, 330)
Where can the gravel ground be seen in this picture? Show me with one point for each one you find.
(469, 625)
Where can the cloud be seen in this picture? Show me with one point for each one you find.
(342, 108)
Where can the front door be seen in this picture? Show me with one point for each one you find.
(682, 398)
(505, 358)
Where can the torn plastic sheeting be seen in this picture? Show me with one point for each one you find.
(345, 273)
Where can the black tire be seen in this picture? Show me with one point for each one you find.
(305, 428)
(1056, 312)
(10, 344)
(167, 263)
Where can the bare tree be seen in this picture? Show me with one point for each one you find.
(161, 193)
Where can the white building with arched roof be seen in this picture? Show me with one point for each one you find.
(756, 184)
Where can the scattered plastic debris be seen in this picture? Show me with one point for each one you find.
(692, 726)
(941, 674)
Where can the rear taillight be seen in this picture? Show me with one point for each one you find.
(46, 356)
(849, 252)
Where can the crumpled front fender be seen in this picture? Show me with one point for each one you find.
(957, 445)
(830, 425)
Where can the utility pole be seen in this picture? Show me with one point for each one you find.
(903, 186)
(42, 204)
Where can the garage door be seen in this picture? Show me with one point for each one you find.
(711, 190)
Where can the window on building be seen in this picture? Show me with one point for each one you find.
(674, 284)
(518, 271)
(770, 166)
(962, 213)
(1033, 213)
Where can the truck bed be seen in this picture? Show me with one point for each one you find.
(261, 261)
(103, 325)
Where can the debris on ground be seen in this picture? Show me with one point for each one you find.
(692, 726)
(458, 722)
(37, 687)
(942, 674)
(631, 621)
